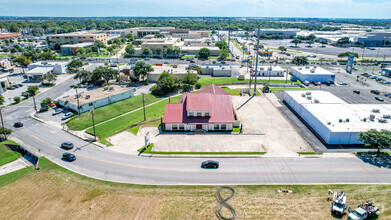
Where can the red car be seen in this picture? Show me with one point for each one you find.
(192, 61)
(52, 104)
(233, 60)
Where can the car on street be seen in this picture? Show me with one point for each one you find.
(188, 59)
(306, 83)
(343, 84)
(378, 98)
(67, 145)
(387, 94)
(210, 164)
(387, 82)
(147, 58)
(20, 85)
(376, 92)
(18, 124)
(67, 115)
(68, 157)
(356, 91)
(233, 60)
(52, 104)
(57, 111)
(372, 49)
(192, 61)
(166, 62)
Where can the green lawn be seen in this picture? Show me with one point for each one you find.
(109, 111)
(153, 112)
(209, 81)
(135, 130)
(6, 55)
(149, 151)
(7, 155)
(105, 142)
(278, 89)
(188, 56)
(235, 91)
(309, 153)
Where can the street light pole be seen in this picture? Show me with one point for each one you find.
(78, 105)
(93, 122)
(256, 63)
(2, 123)
(35, 104)
(144, 107)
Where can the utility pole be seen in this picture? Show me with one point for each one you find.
(93, 122)
(2, 123)
(256, 64)
(119, 73)
(144, 107)
(78, 105)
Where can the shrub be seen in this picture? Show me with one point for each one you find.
(198, 86)
(17, 99)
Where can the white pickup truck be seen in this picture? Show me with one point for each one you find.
(364, 211)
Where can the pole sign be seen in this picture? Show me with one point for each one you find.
(147, 140)
(349, 64)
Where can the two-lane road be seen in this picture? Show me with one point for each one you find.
(105, 164)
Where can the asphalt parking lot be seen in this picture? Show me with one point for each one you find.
(48, 115)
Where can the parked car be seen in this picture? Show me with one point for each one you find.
(18, 124)
(306, 83)
(67, 145)
(166, 62)
(147, 58)
(233, 60)
(67, 115)
(376, 92)
(356, 91)
(343, 83)
(192, 61)
(378, 98)
(210, 164)
(69, 157)
(43, 109)
(20, 85)
(52, 104)
(387, 94)
(57, 111)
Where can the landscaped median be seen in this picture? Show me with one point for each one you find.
(107, 112)
(150, 151)
(153, 114)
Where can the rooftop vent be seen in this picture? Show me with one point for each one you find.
(375, 110)
(316, 100)
(88, 96)
(307, 67)
(303, 94)
(347, 120)
(372, 117)
(340, 120)
(309, 97)
(111, 89)
(387, 116)
(382, 120)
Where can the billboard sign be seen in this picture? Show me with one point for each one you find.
(349, 64)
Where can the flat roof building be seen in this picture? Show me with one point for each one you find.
(312, 74)
(271, 71)
(217, 70)
(9, 35)
(179, 71)
(71, 49)
(334, 120)
(75, 38)
(37, 73)
(96, 98)
(59, 67)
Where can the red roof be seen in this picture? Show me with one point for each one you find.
(212, 99)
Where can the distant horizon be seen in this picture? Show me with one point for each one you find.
(341, 9)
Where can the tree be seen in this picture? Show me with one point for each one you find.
(80, 52)
(83, 75)
(376, 139)
(50, 77)
(300, 61)
(23, 61)
(166, 84)
(147, 52)
(311, 37)
(323, 42)
(129, 48)
(142, 69)
(204, 53)
(346, 54)
(344, 40)
(99, 44)
(26, 95)
(75, 64)
(223, 53)
(247, 35)
(282, 48)
(130, 37)
(110, 49)
(296, 42)
(190, 78)
(32, 90)
(46, 102)
(309, 42)
(1, 99)
(17, 99)
(105, 72)
(159, 51)
(222, 44)
(7, 131)
(198, 68)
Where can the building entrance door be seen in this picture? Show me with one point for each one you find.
(198, 126)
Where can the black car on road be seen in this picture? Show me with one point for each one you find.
(18, 124)
(356, 91)
(376, 92)
(67, 145)
(210, 164)
(69, 157)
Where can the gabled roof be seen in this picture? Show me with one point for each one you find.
(213, 89)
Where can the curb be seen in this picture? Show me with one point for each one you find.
(201, 155)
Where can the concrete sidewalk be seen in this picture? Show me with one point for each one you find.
(13, 166)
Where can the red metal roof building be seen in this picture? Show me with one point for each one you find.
(209, 109)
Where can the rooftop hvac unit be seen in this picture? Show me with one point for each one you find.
(375, 110)
(105, 88)
(372, 117)
(316, 100)
(312, 70)
(328, 123)
(303, 94)
(347, 120)
(88, 96)
(309, 97)
(307, 67)
(365, 119)
(382, 120)
(340, 120)
(261, 68)
(111, 89)
(387, 116)
(77, 96)
(44, 62)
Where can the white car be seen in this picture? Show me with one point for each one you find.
(67, 115)
(57, 111)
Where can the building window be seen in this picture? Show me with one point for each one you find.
(174, 127)
(181, 127)
(191, 114)
(223, 127)
(90, 104)
(199, 114)
(217, 127)
(206, 114)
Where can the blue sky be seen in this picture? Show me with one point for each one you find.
(237, 8)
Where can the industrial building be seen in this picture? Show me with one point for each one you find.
(95, 98)
(75, 38)
(312, 74)
(218, 70)
(155, 43)
(9, 35)
(335, 121)
(58, 67)
(178, 71)
(271, 71)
